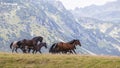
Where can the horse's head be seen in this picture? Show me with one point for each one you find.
(40, 38)
(44, 44)
(77, 42)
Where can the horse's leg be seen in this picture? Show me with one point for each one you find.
(40, 51)
(74, 51)
(13, 50)
(33, 51)
(16, 50)
(65, 52)
(29, 49)
(71, 51)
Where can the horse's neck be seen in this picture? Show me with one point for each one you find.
(73, 44)
(36, 39)
(43, 44)
(40, 45)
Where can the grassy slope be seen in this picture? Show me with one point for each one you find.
(57, 61)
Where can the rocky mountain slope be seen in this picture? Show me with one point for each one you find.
(21, 19)
(107, 12)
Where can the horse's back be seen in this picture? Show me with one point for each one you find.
(28, 42)
(15, 43)
(63, 45)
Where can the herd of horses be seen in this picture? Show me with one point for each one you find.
(35, 44)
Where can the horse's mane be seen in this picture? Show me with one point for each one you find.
(38, 38)
(71, 42)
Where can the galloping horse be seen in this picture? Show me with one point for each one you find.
(31, 43)
(65, 47)
(39, 46)
(15, 45)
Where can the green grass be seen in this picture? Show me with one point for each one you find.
(9, 60)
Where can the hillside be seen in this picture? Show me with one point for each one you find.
(107, 12)
(21, 19)
(27, 19)
(104, 23)
(8, 60)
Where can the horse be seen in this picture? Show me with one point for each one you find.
(53, 49)
(28, 44)
(65, 47)
(15, 45)
(39, 46)
(31, 43)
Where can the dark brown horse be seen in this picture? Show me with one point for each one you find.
(30, 44)
(65, 47)
(39, 46)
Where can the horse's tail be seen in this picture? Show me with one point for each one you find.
(11, 45)
(52, 47)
